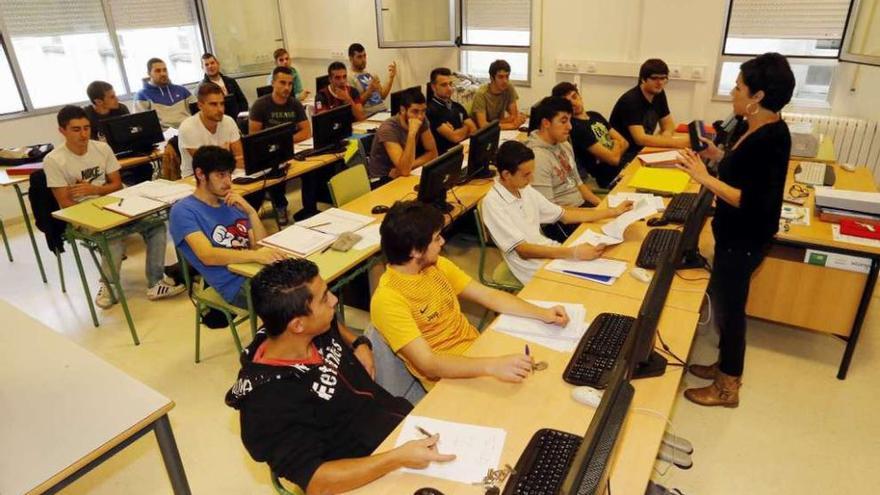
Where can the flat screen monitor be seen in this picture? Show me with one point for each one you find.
(645, 361)
(589, 469)
(134, 133)
(264, 90)
(397, 95)
(438, 176)
(482, 150)
(321, 82)
(534, 122)
(332, 127)
(688, 252)
(270, 148)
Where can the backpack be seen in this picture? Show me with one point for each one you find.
(26, 154)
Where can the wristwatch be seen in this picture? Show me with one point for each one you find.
(361, 340)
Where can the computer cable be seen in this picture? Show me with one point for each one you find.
(671, 428)
(669, 351)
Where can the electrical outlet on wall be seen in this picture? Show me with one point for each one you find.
(336, 54)
(674, 72)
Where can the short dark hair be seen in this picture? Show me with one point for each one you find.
(154, 60)
(498, 65)
(771, 74)
(439, 71)
(410, 98)
(355, 48)
(511, 154)
(408, 226)
(68, 113)
(281, 293)
(208, 55)
(562, 89)
(281, 70)
(337, 65)
(97, 89)
(652, 66)
(550, 106)
(277, 53)
(206, 89)
(213, 159)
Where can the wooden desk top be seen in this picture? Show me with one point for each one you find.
(92, 217)
(544, 400)
(825, 154)
(61, 413)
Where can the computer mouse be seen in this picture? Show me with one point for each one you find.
(640, 274)
(587, 395)
(428, 491)
(849, 167)
(657, 222)
(379, 209)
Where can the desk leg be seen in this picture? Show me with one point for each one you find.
(82, 277)
(116, 280)
(5, 241)
(860, 318)
(30, 230)
(252, 315)
(171, 456)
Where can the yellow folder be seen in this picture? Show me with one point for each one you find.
(659, 180)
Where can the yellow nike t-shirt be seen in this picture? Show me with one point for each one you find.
(405, 307)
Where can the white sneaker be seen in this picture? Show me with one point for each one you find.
(104, 298)
(163, 289)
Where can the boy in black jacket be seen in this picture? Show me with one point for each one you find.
(308, 405)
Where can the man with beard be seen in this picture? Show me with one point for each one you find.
(449, 120)
(339, 93)
(170, 101)
(373, 92)
(209, 126)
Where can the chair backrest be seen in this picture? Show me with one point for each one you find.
(482, 236)
(349, 185)
(391, 372)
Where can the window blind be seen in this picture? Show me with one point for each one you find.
(26, 18)
(507, 15)
(788, 19)
(137, 14)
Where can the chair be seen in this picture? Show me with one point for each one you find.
(502, 278)
(349, 185)
(208, 298)
(391, 372)
(279, 488)
(5, 240)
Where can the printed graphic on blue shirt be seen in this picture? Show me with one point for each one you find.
(233, 236)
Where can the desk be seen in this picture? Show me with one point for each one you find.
(785, 289)
(544, 400)
(825, 153)
(68, 413)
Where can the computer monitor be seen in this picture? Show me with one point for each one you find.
(645, 361)
(589, 469)
(270, 148)
(264, 90)
(688, 252)
(133, 133)
(438, 176)
(534, 122)
(321, 82)
(228, 105)
(397, 95)
(333, 127)
(482, 151)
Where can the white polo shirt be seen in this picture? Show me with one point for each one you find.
(193, 134)
(512, 221)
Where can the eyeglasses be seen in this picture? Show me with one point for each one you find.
(658, 78)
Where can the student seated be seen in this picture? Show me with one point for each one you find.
(416, 309)
(373, 92)
(339, 93)
(282, 59)
(639, 110)
(598, 148)
(229, 85)
(104, 105)
(278, 107)
(449, 120)
(210, 126)
(307, 403)
(496, 97)
(514, 211)
(556, 174)
(170, 101)
(393, 153)
(81, 169)
(215, 227)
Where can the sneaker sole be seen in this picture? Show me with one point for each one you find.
(170, 293)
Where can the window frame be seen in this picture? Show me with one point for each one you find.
(527, 49)
(454, 30)
(845, 54)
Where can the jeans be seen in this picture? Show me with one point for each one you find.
(155, 238)
(240, 299)
(729, 286)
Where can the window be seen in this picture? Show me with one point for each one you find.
(808, 32)
(862, 43)
(236, 44)
(493, 29)
(10, 99)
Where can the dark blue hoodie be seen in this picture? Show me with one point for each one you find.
(170, 102)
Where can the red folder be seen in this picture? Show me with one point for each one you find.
(860, 228)
(26, 169)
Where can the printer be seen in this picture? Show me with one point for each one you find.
(853, 201)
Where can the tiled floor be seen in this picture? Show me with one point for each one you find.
(798, 430)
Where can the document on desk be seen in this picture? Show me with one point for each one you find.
(477, 448)
(298, 241)
(379, 117)
(864, 241)
(160, 190)
(616, 227)
(135, 206)
(602, 270)
(303, 145)
(369, 237)
(660, 159)
(615, 199)
(336, 221)
(508, 135)
(562, 339)
(595, 238)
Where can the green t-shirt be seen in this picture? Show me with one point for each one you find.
(493, 105)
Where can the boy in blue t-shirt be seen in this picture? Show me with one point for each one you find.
(216, 227)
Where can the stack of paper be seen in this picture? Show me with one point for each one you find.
(162, 190)
(379, 117)
(659, 180)
(615, 199)
(335, 221)
(562, 339)
(298, 241)
(477, 448)
(661, 159)
(135, 206)
(303, 145)
(595, 238)
(616, 227)
(602, 270)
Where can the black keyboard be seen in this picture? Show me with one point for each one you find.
(333, 148)
(597, 351)
(656, 247)
(542, 466)
(679, 207)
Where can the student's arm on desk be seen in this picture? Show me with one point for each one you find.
(667, 126)
(661, 141)
(511, 368)
(612, 156)
(66, 196)
(303, 131)
(513, 119)
(216, 256)
(347, 474)
(588, 195)
(507, 303)
(455, 135)
(582, 215)
(578, 252)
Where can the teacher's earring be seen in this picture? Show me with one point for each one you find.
(753, 111)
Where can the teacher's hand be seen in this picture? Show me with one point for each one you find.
(693, 165)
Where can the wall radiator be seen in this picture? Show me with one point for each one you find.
(856, 141)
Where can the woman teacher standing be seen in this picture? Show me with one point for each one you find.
(749, 189)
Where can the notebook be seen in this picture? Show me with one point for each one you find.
(661, 159)
(135, 206)
(335, 221)
(659, 180)
(298, 241)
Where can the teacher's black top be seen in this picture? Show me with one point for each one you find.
(757, 167)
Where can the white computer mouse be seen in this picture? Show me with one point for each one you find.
(849, 167)
(640, 274)
(587, 395)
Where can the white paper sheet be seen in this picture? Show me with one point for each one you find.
(305, 144)
(336, 221)
(616, 227)
(616, 198)
(508, 135)
(563, 339)
(369, 237)
(379, 117)
(595, 238)
(660, 158)
(135, 206)
(298, 240)
(477, 448)
(159, 190)
(602, 267)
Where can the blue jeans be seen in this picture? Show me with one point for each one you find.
(154, 266)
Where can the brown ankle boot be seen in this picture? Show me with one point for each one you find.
(703, 371)
(724, 391)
